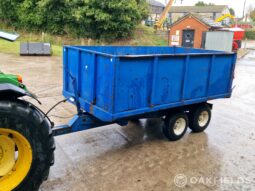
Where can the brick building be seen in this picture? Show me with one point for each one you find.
(188, 30)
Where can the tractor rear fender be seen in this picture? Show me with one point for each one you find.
(11, 91)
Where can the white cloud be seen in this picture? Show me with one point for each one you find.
(237, 5)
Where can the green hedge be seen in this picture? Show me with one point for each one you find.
(80, 18)
(250, 34)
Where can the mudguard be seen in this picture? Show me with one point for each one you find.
(11, 91)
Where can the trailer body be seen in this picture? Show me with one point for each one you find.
(113, 83)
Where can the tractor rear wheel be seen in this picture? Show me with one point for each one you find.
(26, 146)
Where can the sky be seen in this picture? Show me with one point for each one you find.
(237, 5)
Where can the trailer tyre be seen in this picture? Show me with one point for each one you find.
(26, 146)
(199, 118)
(175, 126)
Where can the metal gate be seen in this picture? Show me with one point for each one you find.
(188, 38)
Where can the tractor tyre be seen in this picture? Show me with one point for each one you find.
(26, 146)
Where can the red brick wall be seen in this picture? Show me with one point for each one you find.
(189, 23)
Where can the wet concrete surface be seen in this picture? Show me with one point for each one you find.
(249, 44)
(138, 157)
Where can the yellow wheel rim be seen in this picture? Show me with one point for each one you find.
(15, 159)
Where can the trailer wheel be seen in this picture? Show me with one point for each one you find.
(200, 118)
(175, 126)
(26, 146)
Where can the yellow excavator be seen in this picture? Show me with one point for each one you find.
(221, 18)
(160, 23)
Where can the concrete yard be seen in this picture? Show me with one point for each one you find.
(138, 157)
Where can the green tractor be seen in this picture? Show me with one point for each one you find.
(26, 140)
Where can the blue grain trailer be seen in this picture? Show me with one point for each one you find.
(111, 84)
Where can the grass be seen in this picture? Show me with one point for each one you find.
(9, 47)
(143, 36)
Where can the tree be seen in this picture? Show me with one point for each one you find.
(251, 12)
(252, 15)
(202, 3)
(44, 15)
(105, 18)
(143, 8)
(8, 11)
(82, 18)
(30, 16)
(57, 15)
(232, 11)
